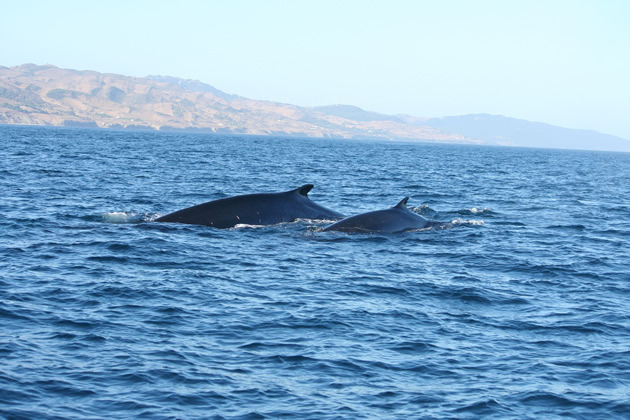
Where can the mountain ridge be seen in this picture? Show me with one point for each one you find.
(48, 95)
(33, 94)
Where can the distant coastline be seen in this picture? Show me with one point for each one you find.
(49, 96)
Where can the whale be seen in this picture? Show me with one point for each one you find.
(393, 220)
(254, 209)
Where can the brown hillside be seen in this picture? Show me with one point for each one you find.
(47, 95)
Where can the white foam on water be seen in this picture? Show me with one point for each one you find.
(475, 210)
(116, 217)
(468, 222)
(316, 221)
(127, 217)
(245, 225)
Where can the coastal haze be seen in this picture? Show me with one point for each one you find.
(47, 95)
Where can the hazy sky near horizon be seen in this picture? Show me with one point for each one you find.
(563, 62)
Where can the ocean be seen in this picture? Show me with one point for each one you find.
(514, 304)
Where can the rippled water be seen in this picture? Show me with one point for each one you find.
(516, 305)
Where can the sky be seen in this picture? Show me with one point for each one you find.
(561, 62)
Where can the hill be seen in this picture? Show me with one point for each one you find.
(48, 95)
(499, 130)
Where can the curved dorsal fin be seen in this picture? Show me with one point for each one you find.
(402, 204)
(304, 189)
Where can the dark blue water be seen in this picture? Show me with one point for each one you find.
(516, 305)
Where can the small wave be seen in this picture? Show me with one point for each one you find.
(412, 347)
(549, 399)
(575, 227)
(485, 407)
(76, 325)
(423, 210)
(8, 314)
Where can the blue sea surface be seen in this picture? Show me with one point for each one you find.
(516, 304)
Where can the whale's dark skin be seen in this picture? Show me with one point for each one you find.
(396, 219)
(254, 209)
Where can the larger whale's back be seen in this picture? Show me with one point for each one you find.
(253, 209)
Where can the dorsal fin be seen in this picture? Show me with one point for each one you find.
(304, 189)
(402, 204)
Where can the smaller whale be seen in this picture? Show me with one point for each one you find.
(396, 219)
(254, 209)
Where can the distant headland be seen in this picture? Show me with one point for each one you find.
(47, 95)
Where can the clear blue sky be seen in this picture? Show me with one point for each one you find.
(562, 62)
